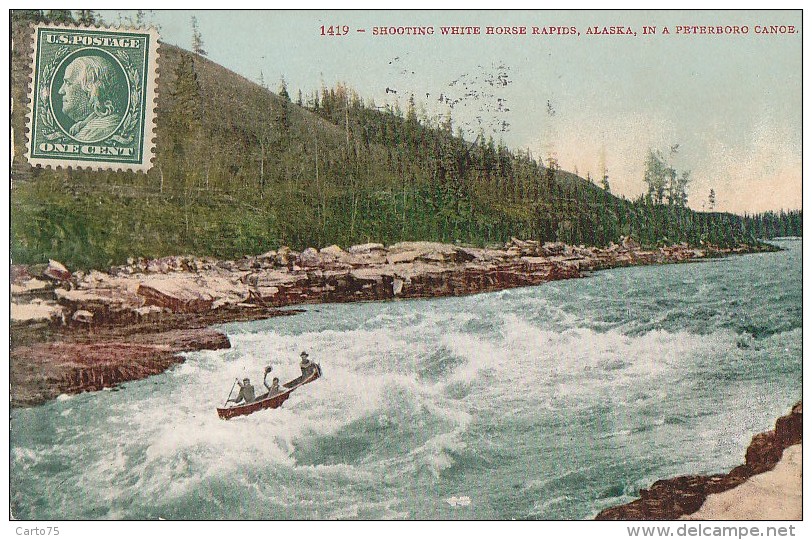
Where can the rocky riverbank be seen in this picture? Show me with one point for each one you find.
(42, 371)
(80, 331)
(684, 496)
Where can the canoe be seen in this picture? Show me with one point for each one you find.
(264, 401)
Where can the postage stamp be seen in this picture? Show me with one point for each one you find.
(92, 97)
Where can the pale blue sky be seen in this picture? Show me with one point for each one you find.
(733, 103)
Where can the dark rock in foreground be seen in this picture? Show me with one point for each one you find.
(43, 371)
(673, 498)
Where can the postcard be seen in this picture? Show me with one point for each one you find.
(406, 265)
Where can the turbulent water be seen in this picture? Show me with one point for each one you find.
(548, 402)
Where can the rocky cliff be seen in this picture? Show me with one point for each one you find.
(676, 497)
(42, 371)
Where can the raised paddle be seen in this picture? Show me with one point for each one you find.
(229, 392)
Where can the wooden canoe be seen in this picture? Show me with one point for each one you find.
(264, 401)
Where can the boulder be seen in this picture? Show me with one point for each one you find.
(309, 258)
(629, 243)
(157, 266)
(19, 273)
(466, 254)
(364, 259)
(425, 251)
(57, 271)
(285, 256)
(260, 296)
(143, 311)
(93, 279)
(176, 295)
(490, 255)
(332, 251)
(227, 266)
(267, 256)
(36, 310)
(365, 248)
(402, 257)
(368, 274)
(276, 278)
(549, 249)
(526, 247)
(29, 286)
(82, 316)
(97, 297)
(536, 264)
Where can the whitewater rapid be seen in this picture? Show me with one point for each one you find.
(547, 402)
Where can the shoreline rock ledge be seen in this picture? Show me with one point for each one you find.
(683, 496)
(74, 331)
(42, 371)
(173, 288)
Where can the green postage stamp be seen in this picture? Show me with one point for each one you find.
(93, 97)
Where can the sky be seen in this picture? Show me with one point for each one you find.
(731, 102)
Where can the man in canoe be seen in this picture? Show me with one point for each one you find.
(307, 365)
(246, 392)
(273, 389)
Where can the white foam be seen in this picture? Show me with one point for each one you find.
(434, 372)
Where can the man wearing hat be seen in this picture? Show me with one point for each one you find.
(306, 364)
(246, 392)
(308, 367)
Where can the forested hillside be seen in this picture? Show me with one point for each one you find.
(241, 170)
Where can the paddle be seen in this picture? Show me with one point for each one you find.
(229, 393)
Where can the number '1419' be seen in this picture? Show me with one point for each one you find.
(335, 30)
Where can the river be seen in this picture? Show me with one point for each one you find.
(547, 402)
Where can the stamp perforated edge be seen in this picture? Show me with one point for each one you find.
(150, 102)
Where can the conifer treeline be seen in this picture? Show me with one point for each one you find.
(241, 170)
(491, 193)
(774, 224)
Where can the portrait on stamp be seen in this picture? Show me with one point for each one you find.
(93, 97)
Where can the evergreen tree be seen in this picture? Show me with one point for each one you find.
(28, 15)
(61, 16)
(411, 113)
(681, 191)
(283, 90)
(197, 38)
(87, 16)
(655, 176)
(183, 122)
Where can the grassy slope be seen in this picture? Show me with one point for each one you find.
(98, 218)
(239, 170)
